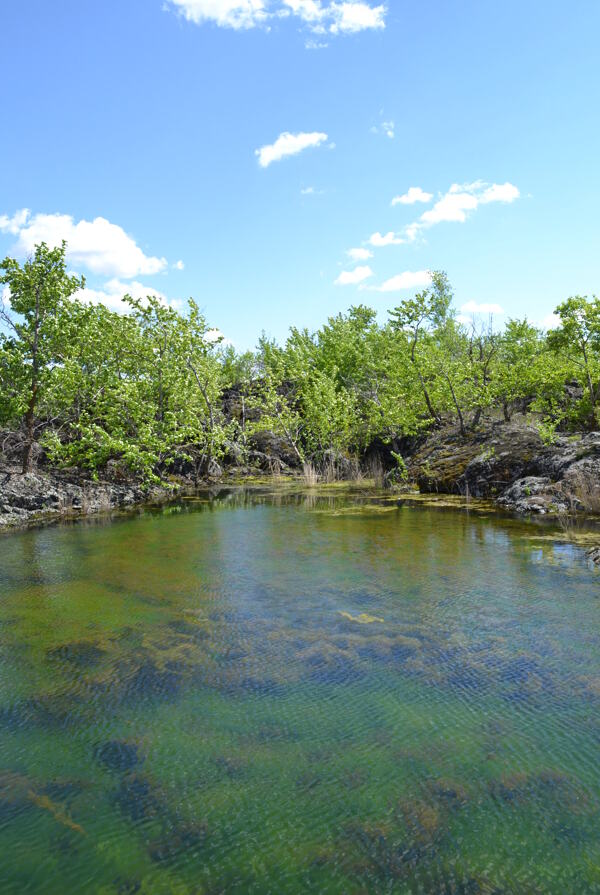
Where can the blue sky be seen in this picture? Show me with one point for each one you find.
(133, 128)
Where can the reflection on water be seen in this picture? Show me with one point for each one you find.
(268, 694)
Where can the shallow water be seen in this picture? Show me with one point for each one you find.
(257, 694)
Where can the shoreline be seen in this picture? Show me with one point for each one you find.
(108, 501)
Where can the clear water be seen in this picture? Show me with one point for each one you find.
(253, 694)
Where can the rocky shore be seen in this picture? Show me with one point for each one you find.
(511, 464)
(44, 496)
(508, 463)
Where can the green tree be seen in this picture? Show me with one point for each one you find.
(578, 338)
(40, 326)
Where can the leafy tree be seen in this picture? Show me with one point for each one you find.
(40, 327)
(578, 338)
(418, 317)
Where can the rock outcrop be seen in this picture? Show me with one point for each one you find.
(511, 464)
(44, 496)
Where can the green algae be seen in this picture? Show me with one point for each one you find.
(214, 697)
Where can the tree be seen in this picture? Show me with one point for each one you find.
(39, 291)
(578, 337)
(417, 316)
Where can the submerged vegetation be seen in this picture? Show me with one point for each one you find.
(268, 694)
(151, 391)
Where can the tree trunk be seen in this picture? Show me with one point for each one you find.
(28, 446)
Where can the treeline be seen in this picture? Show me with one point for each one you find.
(145, 388)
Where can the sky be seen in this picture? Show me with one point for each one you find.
(282, 160)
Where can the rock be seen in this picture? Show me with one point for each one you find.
(268, 447)
(117, 755)
(41, 496)
(594, 555)
(534, 494)
(510, 463)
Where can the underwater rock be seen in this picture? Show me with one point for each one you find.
(308, 780)
(81, 654)
(181, 839)
(149, 681)
(118, 755)
(422, 820)
(232, 768)
(127, 886)
(326, 663)
(136, 798)
(46, 710)
(546, 785)
(383, 851)
(195, 631)
(449, 792)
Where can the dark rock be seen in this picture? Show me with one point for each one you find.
(594, 555)
(272, 448)
(135, 798)
(510, 462)
(118, 755)
(81, 654)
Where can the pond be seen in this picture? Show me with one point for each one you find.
(257, 692)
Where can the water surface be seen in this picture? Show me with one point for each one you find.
(254, 694)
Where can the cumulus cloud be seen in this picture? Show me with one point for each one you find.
(179, 265)
(462, 199)
(379, 240)
(456, 205)
(414, 194)
(112, 294)
(226, 13)
(359, 254)
(319, 17)
(351, 17)
(354, 277)
(550, 321)
(288, 144)
(98, 245)
(409, 279)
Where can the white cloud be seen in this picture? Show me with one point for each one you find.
(410, 279)
(462, 199)
(13, 225)
(379, 240)
(179, 265)
(473, 307)
(453, 206)
(347, 17)
(98, 245)
(387, 128)
(359, 254)
(354, 277)
(414, 194)
(500, 192)
(112, 294)
(311, 191)
(213, 335)
(550, 321)
(351, 17)
(226, 13)
(288, 144)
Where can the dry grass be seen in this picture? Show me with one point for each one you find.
(373, 469)
(309, 475)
